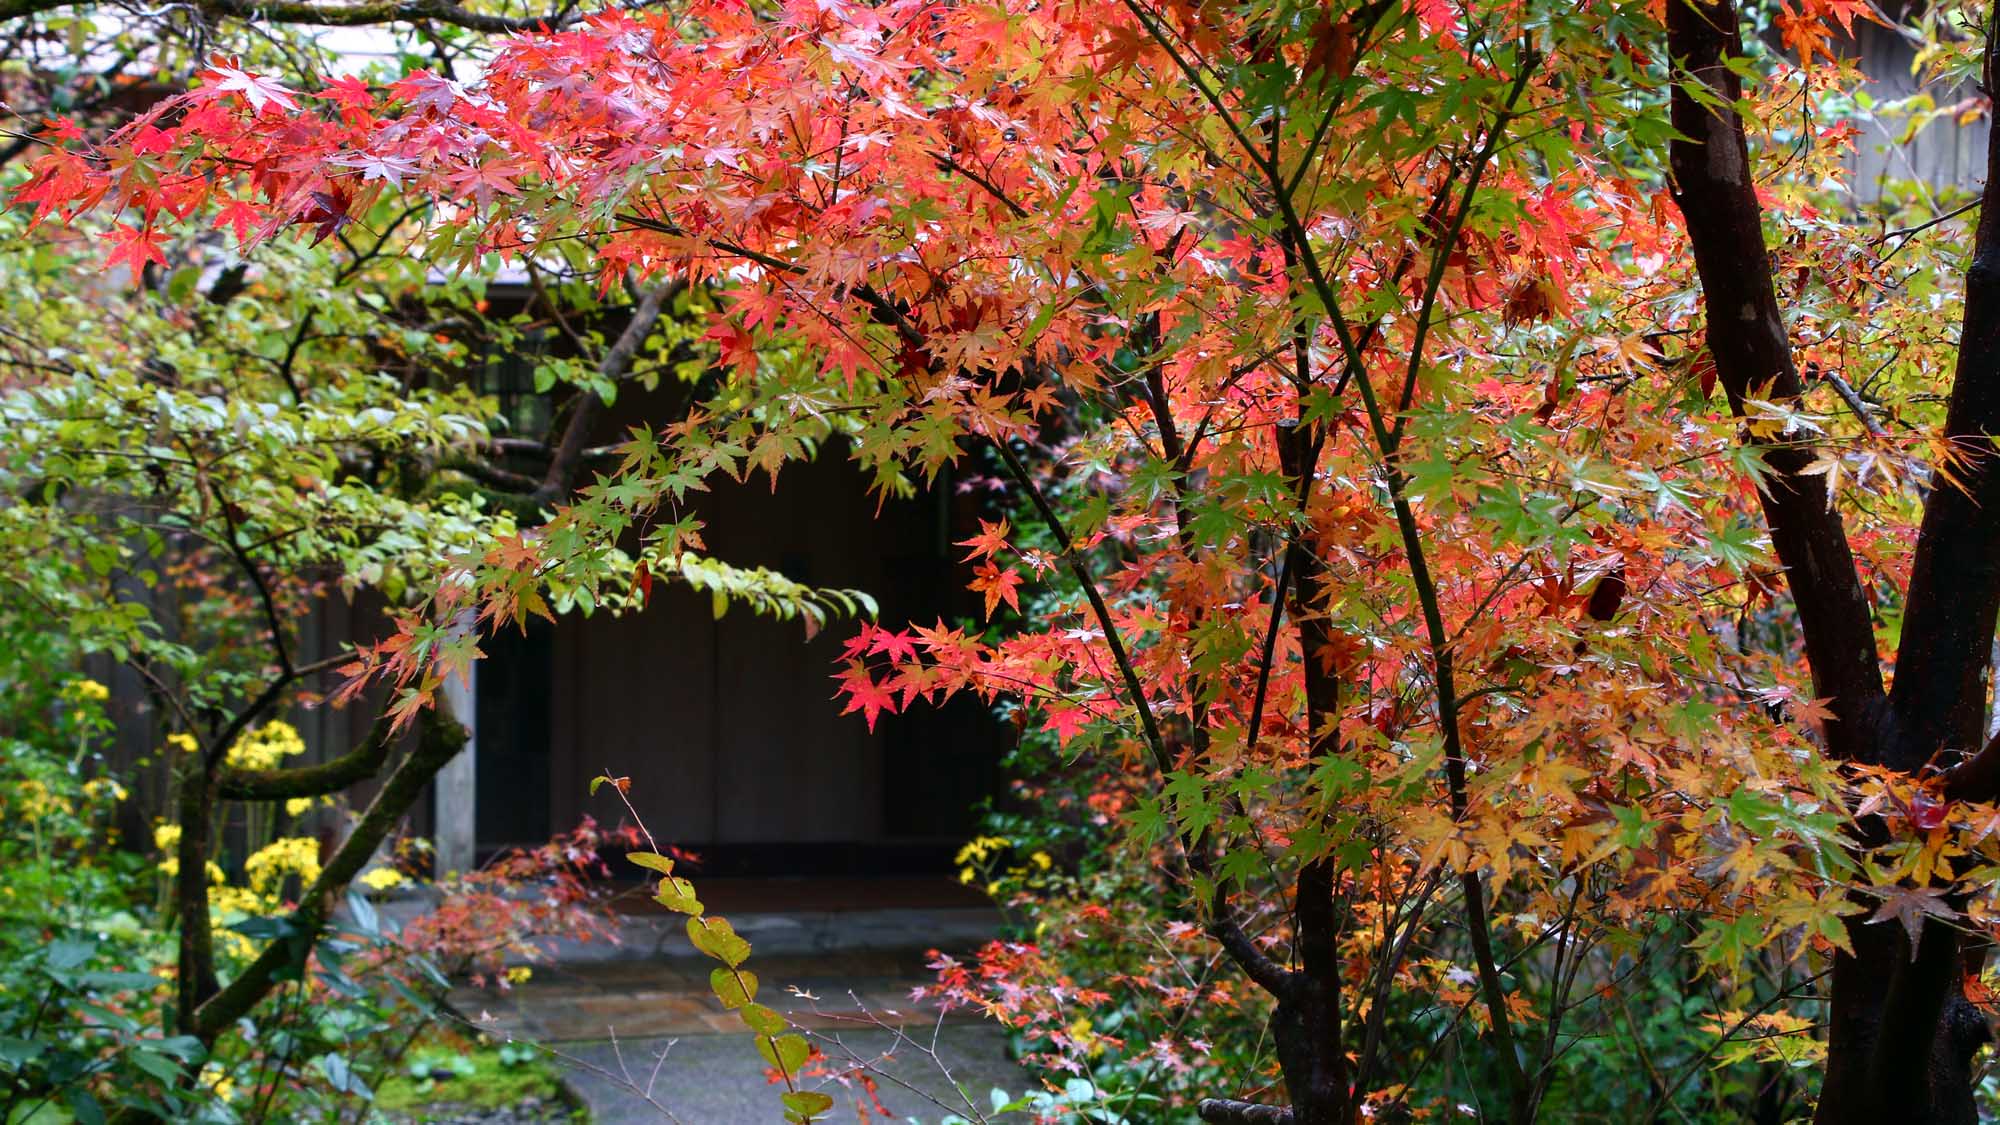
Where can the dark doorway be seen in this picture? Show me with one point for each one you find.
(515, 681)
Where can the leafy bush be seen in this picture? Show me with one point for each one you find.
(87, 956)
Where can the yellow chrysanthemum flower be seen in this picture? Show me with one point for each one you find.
(382, 878)
(183, 742)
(86, 691)
(290, 855)
(265, 747)
(979, 849)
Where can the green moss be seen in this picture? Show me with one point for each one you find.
(436, 1079)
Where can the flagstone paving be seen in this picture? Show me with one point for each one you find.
(719, 1080)
(671, 996)
(638, 1015)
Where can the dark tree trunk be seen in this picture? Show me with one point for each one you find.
(1902, 1035)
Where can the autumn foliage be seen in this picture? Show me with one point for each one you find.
(1348, 367)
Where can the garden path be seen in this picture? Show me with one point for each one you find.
(841, 961)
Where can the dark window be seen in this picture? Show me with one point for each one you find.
(509, 376)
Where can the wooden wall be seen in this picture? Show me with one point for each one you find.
(1942, 155)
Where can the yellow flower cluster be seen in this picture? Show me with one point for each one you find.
(218, 1082)
(102, 788)
(265, 747)
(981, 859)
(85, 691)
(382, 878)
(1086, 1036)
(289, 855)
(519, 974)
(167, 838)
(183, 742)
(979, 849)
(33, 801)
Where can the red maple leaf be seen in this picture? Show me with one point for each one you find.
(135, 246)
(992, 538)
(237, 217)
(998, 586)
(865, 695)
(1067, 721)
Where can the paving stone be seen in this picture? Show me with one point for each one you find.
(853, 972)
(719, 1080)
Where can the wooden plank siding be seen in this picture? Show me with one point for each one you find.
(1943, 159)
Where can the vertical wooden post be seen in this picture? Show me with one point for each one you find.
(456, 808)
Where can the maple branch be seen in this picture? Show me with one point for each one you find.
(1066, 547)
(946, 162)
(1478, 925)
(1715, 191)
(263, 701)
(256, 576)
(1366, 17)
(1229, 1111)
(1222, 926)
(1855, 403)
(492, 476)
(1441, 255)
(568, 453)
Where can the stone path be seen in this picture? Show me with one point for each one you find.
(719, 1080)
(671, 996)
(640, 1015)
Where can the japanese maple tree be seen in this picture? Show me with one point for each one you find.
(1357, 365)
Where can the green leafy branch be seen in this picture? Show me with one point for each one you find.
(732, 984)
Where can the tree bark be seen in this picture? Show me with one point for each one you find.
(1901, 1034)
(1307, 1024)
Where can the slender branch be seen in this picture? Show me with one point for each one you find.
(264, 700)
(358, 764)
(1861, 408)
(1228, 1111)
(1134, 686)
(256, 576)
(568, 454)
(1441, 255)
(492, 476)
